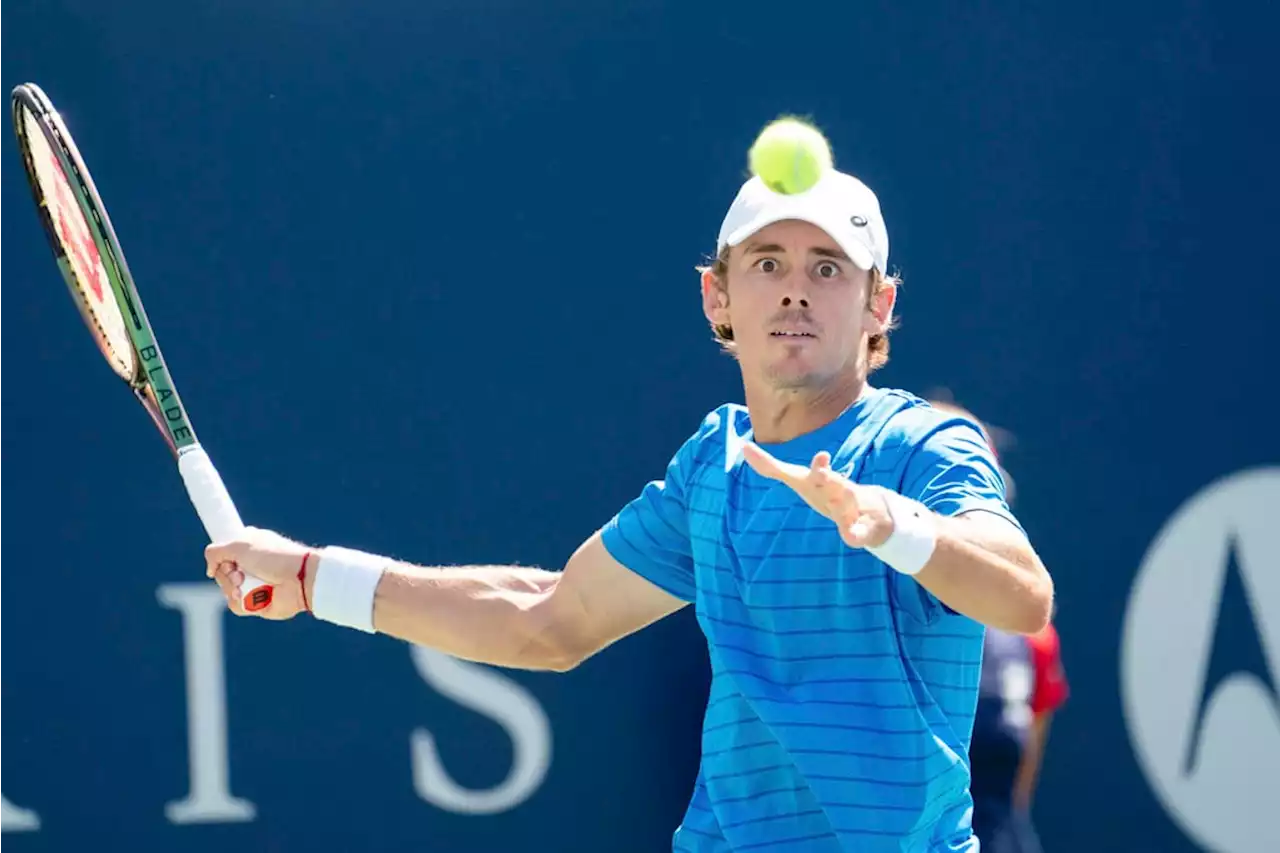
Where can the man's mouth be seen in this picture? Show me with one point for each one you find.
(794, 333)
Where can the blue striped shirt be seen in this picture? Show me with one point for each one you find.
(843, 693)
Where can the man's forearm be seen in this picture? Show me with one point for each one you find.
(988, 573)
(490, 614)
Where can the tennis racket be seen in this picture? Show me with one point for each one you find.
(93, 266)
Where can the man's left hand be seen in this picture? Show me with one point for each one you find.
(859, 511)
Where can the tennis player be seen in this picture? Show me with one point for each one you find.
(843, 547)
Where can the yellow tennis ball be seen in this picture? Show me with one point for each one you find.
(790, 156)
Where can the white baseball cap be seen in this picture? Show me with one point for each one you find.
(839, 204)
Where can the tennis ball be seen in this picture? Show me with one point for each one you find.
(790, 155)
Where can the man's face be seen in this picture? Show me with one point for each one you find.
(798, 307)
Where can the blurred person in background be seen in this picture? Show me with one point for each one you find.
(1023, 684)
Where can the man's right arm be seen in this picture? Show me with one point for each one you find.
(631, 573)
(637, 569)
(517, 617)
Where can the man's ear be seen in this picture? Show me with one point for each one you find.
(715, 299)
(880, 308)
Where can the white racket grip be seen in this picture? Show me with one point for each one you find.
(218, 514)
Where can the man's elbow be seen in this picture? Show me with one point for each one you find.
(564, 662)
(1034, 605)
(547, 653)
(554, 639)
(1032, 616)
(563, 655)
(560, 653)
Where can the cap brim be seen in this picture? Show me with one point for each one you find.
(855, 249)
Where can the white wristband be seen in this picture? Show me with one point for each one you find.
(346, 581)
(914, 535)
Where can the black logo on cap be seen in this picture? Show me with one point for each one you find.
(859, 221)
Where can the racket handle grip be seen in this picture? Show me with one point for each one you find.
(219, 515)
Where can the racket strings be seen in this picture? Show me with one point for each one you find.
(82, 263)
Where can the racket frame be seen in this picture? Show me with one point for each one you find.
(149, 378)
(150, 381)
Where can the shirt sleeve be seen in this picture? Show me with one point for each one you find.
(1051, 690)
(650, 535)
(954, 471)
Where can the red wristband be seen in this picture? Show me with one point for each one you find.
(302, 581)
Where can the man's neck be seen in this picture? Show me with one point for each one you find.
(781, 415)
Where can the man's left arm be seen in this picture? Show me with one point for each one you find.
(981, 564)
(984, 567)
(950, 527)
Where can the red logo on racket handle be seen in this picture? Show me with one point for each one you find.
(258, 599)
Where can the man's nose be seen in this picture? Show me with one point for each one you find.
(795, 290)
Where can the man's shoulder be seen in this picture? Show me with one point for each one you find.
(914, 421)
(719, 431)
(723, 417)
(720, 425)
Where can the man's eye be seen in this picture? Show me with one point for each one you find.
(767, 265)
(827, 269)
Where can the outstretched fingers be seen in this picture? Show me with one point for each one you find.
(767, 466)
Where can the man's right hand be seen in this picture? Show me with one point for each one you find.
(266, 555)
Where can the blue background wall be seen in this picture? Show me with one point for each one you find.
(424, 275)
